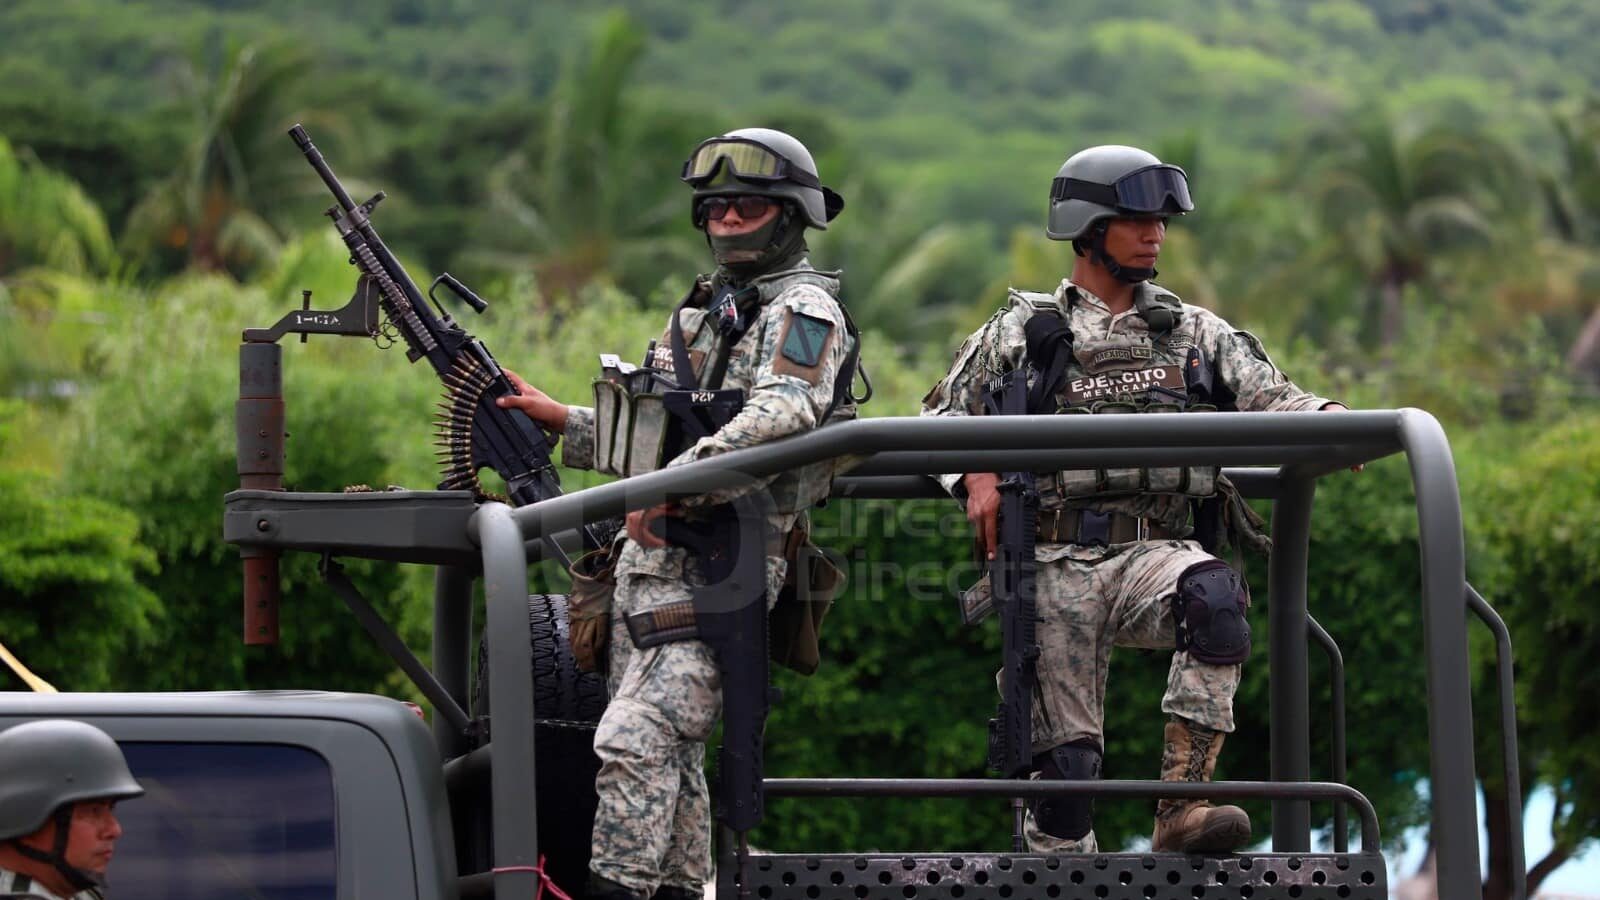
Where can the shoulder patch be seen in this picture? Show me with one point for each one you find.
(802, 346)
(805, 338)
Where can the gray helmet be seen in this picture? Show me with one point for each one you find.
(52, 762)
(764, 162)
(1109, 181)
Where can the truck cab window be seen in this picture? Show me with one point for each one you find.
(226, 821)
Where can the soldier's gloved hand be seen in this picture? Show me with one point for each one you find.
(983, 509)
(536, 403)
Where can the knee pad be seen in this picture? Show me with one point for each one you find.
(1068, 818)
(1208, 614)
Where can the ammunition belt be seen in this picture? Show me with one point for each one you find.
(1090, 528)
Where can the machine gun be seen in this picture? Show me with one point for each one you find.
(473, 432)
(1012, 583)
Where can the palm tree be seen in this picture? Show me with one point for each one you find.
(237, 169)
(903, 277)
(1572, 197)
(49, 229)
(46, 219)
(592, 194)
(1394, 199)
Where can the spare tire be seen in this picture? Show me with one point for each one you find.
(567, 705)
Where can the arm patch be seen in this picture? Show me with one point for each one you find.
(802, 346)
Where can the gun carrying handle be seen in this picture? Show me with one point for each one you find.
(477, 303)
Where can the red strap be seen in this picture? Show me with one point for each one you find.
(544, 880)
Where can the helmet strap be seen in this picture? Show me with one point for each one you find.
(775, 246)
(56, 858)
(1098, 255)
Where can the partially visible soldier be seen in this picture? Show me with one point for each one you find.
(1118, 563)
(60, 781)
(764, 322)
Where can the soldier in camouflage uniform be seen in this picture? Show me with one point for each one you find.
(769, 324)
(1117, 562)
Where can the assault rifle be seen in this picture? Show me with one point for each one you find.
(473, 432)
(1012, 584)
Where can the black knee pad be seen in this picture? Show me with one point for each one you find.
(1208, 614)
(1068, 818)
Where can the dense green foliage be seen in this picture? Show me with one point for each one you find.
(1403, 199)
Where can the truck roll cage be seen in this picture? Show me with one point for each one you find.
(1276, 456)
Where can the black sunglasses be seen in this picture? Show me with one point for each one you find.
(748, 206)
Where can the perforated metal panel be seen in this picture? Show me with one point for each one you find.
(1149, 876)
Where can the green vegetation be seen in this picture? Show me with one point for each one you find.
(1404, 199)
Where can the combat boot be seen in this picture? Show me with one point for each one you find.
(1195, 826)
(674, 892)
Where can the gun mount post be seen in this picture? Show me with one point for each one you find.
(259, 448)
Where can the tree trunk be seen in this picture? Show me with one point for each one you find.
(1497, 813)
(1541, 870)
(1391, 311)
(1584, 355)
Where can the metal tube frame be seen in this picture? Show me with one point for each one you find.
(1308, 446)
(1508, 736)
(1341, 837)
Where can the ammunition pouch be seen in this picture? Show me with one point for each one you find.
(589, 607)
(1190, 481)
(640, 428)
(809, 586)
(794, 624)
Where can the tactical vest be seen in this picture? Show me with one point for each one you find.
(1168, 371)
(640, 411)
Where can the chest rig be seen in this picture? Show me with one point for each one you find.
(1164, 370)
(646, 415)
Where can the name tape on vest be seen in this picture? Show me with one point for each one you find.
(1117, 384)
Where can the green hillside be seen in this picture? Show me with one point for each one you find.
(1402, 198)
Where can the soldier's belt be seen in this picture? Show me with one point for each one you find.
(1090, 528)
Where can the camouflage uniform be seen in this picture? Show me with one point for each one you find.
(652, 826)
(15, 883)
(1091, 598)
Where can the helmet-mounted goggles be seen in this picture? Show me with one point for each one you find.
(748, 160)
(1153, 189)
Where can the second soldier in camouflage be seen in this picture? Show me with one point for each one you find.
(1118, 565)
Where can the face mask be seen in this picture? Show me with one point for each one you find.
(737, 249)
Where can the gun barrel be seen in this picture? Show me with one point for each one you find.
(318, 162)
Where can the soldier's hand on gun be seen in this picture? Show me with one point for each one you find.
(983, 509)
(640, 520)
(536, 403)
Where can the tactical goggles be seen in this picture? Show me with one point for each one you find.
(1147, 190)
(748, 160)
(748, 206)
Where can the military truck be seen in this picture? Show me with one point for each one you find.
(317, 794)
(311, 794)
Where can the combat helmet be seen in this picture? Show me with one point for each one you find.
(45, 767)
(765, 162)
(1109, 181)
